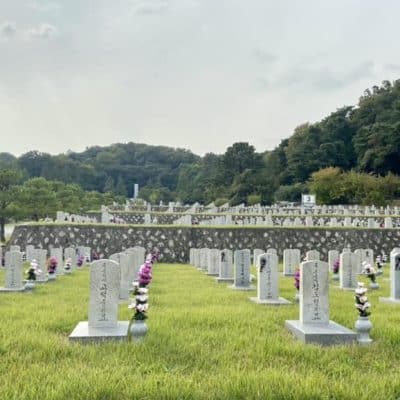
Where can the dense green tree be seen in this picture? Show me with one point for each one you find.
(37, 199)
(9, 192)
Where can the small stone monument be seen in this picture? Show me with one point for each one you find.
(225, 267)
(242, 270)
(13, 277)
(348, 270)
(314, 325)
(103, 324)
(58, 254)
(394, 279)
(40, 256)
(213, 262)
(291, 260)
(257, 253)
(267, 281)
(70, 252)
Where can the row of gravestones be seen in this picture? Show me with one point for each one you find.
(314, 324)
(14, 263)
(211, 259)
(109, 286)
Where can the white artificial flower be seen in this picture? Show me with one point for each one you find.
(132, 305)
(143, 290)
(142, 298)
(142, 307)
(135, 284)
(363, 299)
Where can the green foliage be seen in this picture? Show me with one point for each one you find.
(253, 199)
(333, 186)
(204, 341)
(9, 192)
(290, 193)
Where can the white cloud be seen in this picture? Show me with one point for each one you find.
(8, 29)
(44, 31)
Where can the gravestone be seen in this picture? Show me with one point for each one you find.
(15, 248)
(115, 257)
(125, 264)
(333, 255)
(40, 256)
(225, 267)
(213, 262)
(191, 256)
(102, 324)
(13, 276)
(196, 258)
(312, 255)
(203, 259)
(256, 254)
(241, 270)
(57, 253)
(138, 253)
(291, 260)
(394, 279)
(314, 325)
(29, 252)
(70, 252)
(267, 281)
(348, 270)
(272, 251)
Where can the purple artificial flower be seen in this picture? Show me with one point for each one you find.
(297, 279)
(336, 266)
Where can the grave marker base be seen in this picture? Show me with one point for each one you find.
(224, 280)
(389, 300)
(326, 335)
(85, 335)
(244, 288)
(273, 302)
(7, 290)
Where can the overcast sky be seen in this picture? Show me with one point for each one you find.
(195, 74)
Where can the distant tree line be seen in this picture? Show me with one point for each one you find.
(357, 147)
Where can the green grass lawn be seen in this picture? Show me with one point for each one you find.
(204, 342)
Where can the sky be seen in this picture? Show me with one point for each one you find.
(193, 74)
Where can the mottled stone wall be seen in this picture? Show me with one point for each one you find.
(175, 242)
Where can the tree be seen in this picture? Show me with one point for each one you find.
(109, 186)
(8, 194)
(38, 199)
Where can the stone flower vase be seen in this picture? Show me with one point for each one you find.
(297, 297)
(374, 285)
(29, 285)
(52, 277)
(363, 325)
(138, 330)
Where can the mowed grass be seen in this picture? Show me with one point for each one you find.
(205, 341)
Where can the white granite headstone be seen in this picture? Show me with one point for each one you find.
(225, 266)
(291, 261)
(213, 262)
(267, 281)
(349, 266)
(242, 270)
(13, 275)
(57, 252)
(314, 325)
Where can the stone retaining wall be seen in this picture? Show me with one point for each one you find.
(175, 242)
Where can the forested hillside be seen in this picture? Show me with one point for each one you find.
(363, 139)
